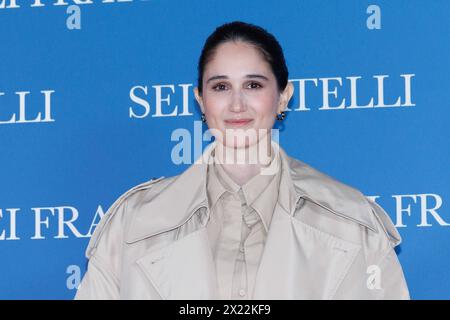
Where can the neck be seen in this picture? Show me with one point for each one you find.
(242, 164)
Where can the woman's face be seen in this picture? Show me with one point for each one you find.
(240, 95)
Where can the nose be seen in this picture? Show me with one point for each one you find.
(237, 102)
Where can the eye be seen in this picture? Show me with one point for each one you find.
(219, 87)
(255, 85)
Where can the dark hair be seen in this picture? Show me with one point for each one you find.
(263, 41)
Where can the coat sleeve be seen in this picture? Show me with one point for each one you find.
(102, 281)
(98, 283)
(393, 283)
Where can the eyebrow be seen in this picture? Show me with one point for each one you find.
(260, 76)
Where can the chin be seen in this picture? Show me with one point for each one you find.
(240, 143)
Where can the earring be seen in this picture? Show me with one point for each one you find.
(203, 117)
(281, 116)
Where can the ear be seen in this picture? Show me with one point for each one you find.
(285, 96)
(199, 99)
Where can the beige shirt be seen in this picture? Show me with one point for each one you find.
(239, 221)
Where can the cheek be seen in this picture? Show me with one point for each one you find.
(265, 108)
(214, 107)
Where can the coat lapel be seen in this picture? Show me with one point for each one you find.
(298, 262)
(184, 269)
(301, 262)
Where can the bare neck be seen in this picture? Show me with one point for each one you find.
(242, 164)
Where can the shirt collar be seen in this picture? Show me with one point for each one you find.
(260, 192)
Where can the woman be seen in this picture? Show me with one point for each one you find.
(231, 228)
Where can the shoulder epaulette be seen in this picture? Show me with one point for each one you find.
(112, 210)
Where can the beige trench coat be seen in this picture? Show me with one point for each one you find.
(326, 241)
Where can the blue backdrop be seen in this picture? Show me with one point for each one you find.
(92, 91)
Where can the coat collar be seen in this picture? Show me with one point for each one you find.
(186, 193)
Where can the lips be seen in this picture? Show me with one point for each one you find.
(238, 122)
